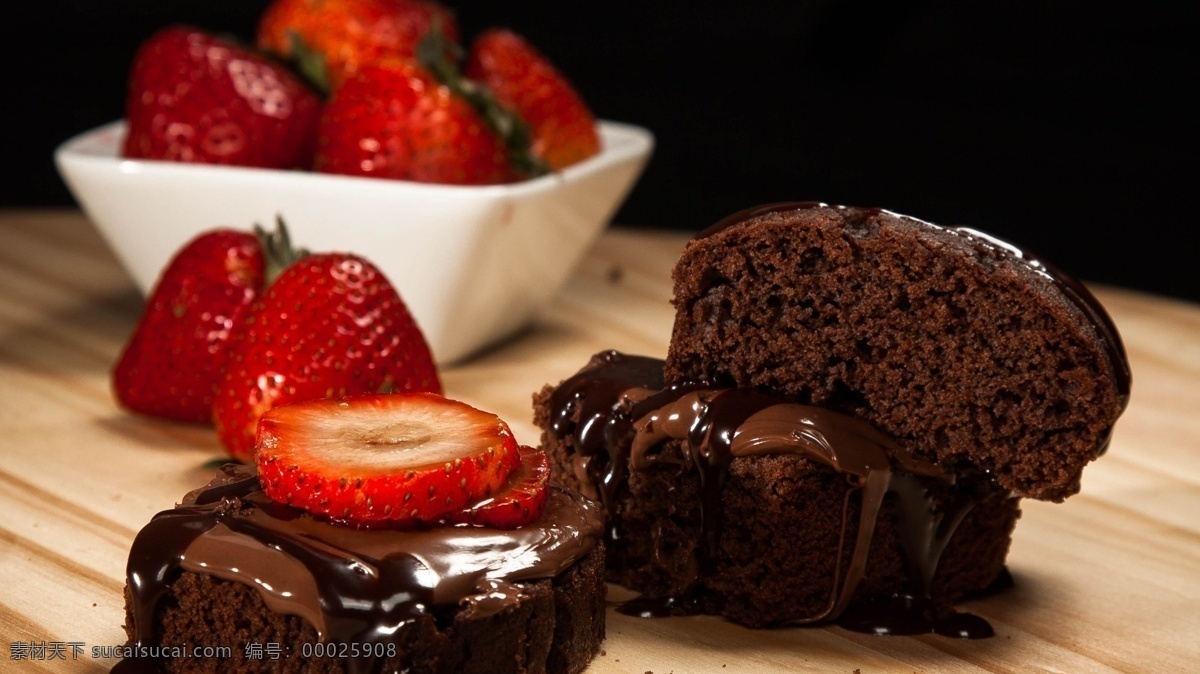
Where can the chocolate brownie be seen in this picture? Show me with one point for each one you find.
(744, 504)
(286, 592)
(965, 348)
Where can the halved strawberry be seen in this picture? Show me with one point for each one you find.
(392, 458)
(521, 502)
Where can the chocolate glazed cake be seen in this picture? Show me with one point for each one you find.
(230, 567)
(965, 348)
(795, 464)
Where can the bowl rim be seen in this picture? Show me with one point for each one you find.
(98, 148)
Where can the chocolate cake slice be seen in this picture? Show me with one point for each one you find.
(964, 348)
(851, 407)
(274, 589)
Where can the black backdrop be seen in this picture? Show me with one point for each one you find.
(1063, 126)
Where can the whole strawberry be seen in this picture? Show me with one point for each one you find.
(332, 39)
(171, 364)
(331, 325)
(563, 129)
(394, 120)
(195, 97)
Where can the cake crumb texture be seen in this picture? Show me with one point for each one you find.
(948, 342)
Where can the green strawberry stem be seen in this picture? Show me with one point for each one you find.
(213, 464)
(310, 64)
(440, 58)
(278, 253)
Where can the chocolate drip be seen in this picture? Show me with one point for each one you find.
(715, 426)
(353, 585)
(597, 407)
(923, 537)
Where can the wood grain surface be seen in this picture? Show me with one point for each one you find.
(1108, 581)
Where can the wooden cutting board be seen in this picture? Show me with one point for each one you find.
(1108, 581)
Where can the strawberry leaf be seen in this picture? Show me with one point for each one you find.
(310, 64)
(441, 58)
(278, 252)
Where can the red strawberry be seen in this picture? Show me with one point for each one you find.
(395, 458)
(196, 97)
(330, 325)
(347, 35)
(521, 78)
(394, 120)
(171, 364)
(522, 499)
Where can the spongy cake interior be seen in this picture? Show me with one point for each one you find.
(953, 345)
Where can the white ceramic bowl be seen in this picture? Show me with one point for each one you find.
(472, 263)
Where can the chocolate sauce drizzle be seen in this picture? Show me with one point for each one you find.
(1071, 288)
(365, 586)
(617, 414)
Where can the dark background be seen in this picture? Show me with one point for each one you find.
(1062, 126)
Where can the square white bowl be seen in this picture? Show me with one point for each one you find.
(473, 264)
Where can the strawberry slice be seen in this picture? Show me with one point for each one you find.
(398, 459)
(521, 502)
